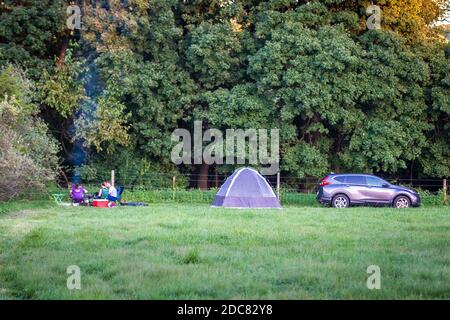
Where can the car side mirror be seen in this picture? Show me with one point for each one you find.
(385, 185)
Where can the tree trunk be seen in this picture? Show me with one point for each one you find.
(202, 182)
(62, 52)
(64, 176)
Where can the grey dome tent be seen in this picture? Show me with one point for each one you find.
(246, 188)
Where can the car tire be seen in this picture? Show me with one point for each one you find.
(402, 202)
(340, 201)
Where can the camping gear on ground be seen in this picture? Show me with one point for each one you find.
(134, 204)
(246, 188)
(58, 198)
(78, 197)
(101, 203)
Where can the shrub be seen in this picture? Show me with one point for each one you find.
(28, 155)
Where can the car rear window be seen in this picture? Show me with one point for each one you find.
(355, 180)
(340, 179)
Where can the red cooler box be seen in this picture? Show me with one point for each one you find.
(102, 203)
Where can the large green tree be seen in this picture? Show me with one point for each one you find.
(343, 97)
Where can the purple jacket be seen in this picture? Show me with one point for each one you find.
(78, 194)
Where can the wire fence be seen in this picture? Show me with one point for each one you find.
(183, 188)
(154, 180)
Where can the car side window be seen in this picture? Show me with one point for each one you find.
(374, 182)
(356, 180)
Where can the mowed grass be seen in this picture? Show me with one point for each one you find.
(175, 251)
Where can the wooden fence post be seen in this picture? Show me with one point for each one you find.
(112, 177)
(445, 191)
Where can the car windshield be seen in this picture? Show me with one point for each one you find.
(375, 181)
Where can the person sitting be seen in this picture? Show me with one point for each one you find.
(103, 193)
(112, 195)
(78, 194)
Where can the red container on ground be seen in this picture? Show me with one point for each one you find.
(101, 203)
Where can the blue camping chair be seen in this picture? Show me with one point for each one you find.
(119, 192)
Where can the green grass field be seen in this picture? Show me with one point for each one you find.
(188, 251)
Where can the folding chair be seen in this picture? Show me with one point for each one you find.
(58, 198)
(119, 192)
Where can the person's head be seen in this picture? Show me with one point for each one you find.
(77, 186)
(107, 184)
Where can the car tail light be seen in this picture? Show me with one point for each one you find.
(325, 182)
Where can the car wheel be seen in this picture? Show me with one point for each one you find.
(340, 201)
(402, 202)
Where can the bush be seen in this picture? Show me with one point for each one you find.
(431, 199)
(28, 155)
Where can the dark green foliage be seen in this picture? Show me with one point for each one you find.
(30, 32)
(344, 98)
(212, 55)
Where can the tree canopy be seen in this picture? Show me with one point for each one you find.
(345, 98)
